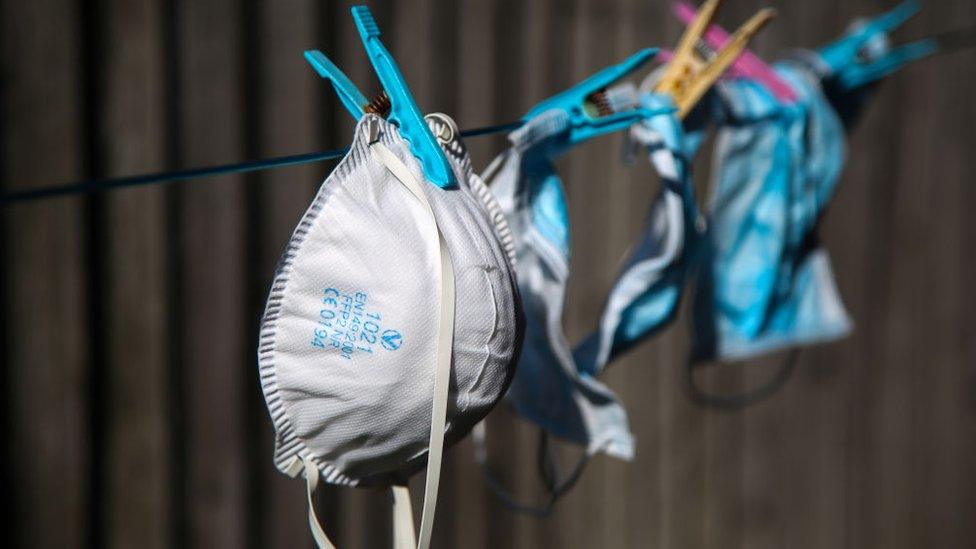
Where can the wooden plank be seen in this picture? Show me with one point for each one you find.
(622, 33)
(831, 371)
(790, 470)
(899, 394)
(212, 342)
(643, 388)
(723, 431)
(511, 439)
(411, 37)
(840, 366)
(135, 463)
(954, 500)
(559, 49)
(357, 517)
(46, 351)
(468, 498)
(572, 62)
(870, 445)
(881, 390)
(680, 424)
(947, 496)
(588, 179)
(476, 71)
(858, 235)
(334, 31)
(932, 287)
(285, 103)
(444, 57)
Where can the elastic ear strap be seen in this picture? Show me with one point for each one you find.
(445, 343)
(634, 282)
(554, 488)
(702, 398)
(311, 483)
(478, 436)
(404, 536)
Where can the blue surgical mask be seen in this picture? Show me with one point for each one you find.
(646, 294)
(766, 282)
(549, 387)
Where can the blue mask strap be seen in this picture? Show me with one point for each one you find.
(348, 93)
(403, 109)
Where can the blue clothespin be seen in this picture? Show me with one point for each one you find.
(863, 55)
(403, 109)
(349, 94)
(585, 119)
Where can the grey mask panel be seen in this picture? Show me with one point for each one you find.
(348, 337)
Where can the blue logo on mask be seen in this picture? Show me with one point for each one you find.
(391, 340)
(346, 323)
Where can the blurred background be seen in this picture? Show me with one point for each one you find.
(131, 413)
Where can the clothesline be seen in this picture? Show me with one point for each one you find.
(97, 185)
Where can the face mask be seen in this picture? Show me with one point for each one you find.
(549, 389)
(393, 322)
(646, 294)
(337, 308)
(767, 284)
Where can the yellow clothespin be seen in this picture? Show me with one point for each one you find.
(687, 77)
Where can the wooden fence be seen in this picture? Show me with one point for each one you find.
(132, 415)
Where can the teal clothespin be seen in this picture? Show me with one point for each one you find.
(585, 118)
(403, 109)
(863, 55)
(889, 62)
(349, 94)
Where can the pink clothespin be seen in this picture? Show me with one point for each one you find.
(748, 64)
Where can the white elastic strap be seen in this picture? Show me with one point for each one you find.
(445, 343)
(311, 483)
(404, 536)
(479, 437)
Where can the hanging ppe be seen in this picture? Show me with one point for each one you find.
(646, 294)
(766, 283)
(352, 312)
(393, 322)
(549, 389)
